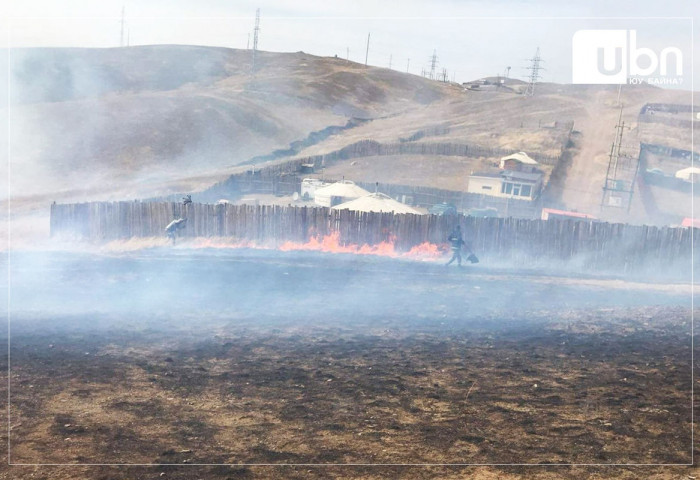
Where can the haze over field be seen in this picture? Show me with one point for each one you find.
(177, 308)
(137, 122)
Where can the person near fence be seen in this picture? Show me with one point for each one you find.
(456, 243)
(173, 227)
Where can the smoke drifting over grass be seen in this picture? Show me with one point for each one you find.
(207, 284)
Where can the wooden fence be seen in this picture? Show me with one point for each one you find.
(596, 245)
(236, 187)
(369, 148)
(665, 113)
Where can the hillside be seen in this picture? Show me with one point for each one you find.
(85, 117)
(137, 122)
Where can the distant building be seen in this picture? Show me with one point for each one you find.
(691, 222)
(377, 202)
(690, 174)
(506, 183)
(309, 187)
(518, 178)
(337, 193)
(520, 162)
(548, 213)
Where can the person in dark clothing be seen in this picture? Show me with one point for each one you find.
(456, 242)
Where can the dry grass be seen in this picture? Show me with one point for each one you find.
(610, 387)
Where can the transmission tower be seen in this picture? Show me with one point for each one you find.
(121, 36)
(433, 64)
(367, 51)
(534, 68)
(444, 75)
(256, 32)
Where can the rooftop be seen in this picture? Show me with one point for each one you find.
(521, 176)
(521, 157)
(510, 175)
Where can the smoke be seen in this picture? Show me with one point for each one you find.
(145, 121)
(129, 122)
(209, 285)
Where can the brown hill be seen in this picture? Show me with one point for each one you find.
(96, 118)
(143, 121)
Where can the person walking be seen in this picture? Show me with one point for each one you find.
(456, 241)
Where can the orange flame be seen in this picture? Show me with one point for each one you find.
(317, 243)
(332, 244)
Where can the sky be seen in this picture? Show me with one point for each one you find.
(471, 39)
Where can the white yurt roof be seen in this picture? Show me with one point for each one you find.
(521, 157)
(376, 202)
(344, 188)
(687, 172)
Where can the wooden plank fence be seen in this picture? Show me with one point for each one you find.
(368, 148)
(596, 245)
(659, 113)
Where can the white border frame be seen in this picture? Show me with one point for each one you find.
(692, 298)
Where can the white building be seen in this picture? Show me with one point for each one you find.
(377, 202)
(506, 183)
(518, 161)
(518, 178)
(309, 187)
(337, 193)
(691, 174)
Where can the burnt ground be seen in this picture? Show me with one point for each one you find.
(597, 384)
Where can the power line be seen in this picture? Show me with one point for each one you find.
(367, 52)
(256, 31)
(622, 172)
(121, 36)
(534, 73)
(433, 64)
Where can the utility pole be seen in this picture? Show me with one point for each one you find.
(433, 64)
(367, 52)
(534, 68)
(347, 54)
(408, 62)
(390, 57)
(121, 36)
(247, 45)
(619, 91)
(256, 32)
(620, 177)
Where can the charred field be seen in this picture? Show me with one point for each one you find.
(214, 364)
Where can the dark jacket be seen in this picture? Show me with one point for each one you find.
(456, 240)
